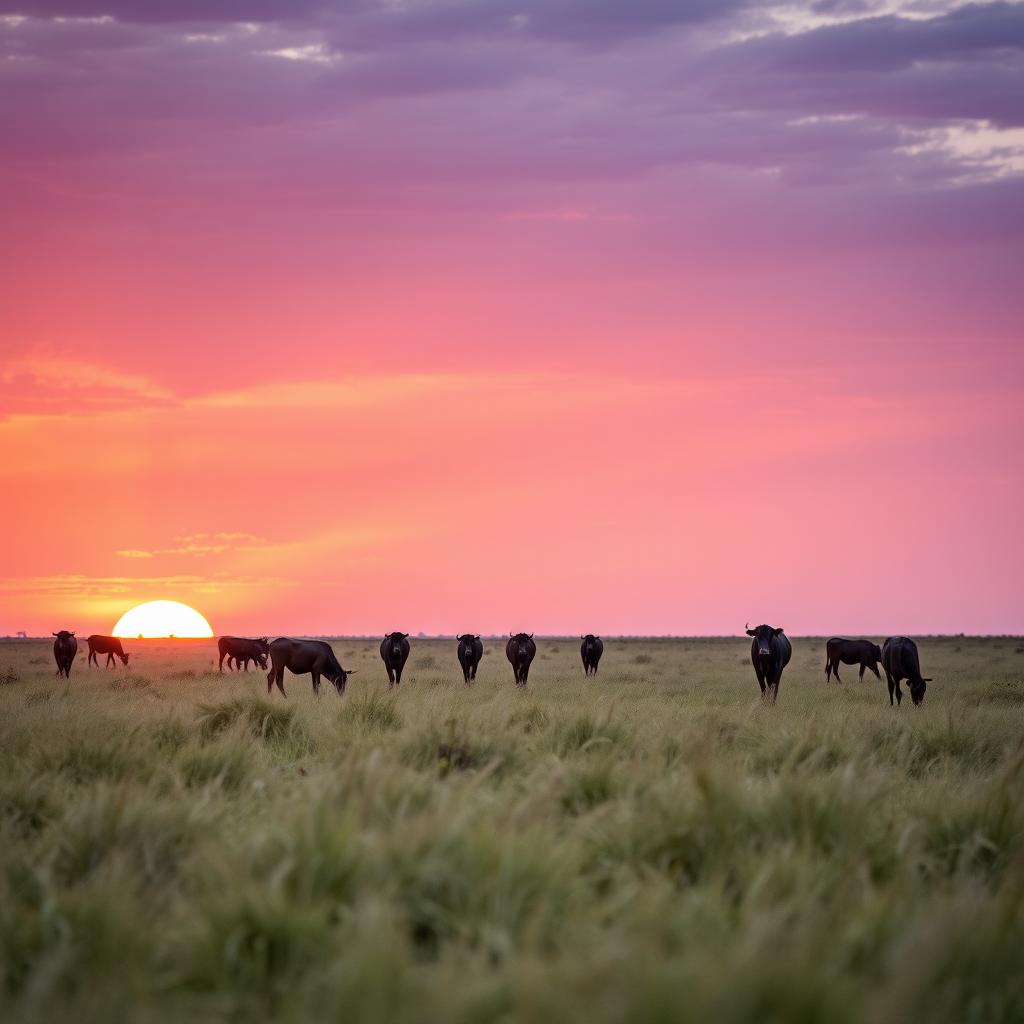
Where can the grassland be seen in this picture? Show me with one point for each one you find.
(652, 844)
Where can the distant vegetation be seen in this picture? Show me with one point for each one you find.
(651, 844)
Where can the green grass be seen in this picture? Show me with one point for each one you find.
(652, 844)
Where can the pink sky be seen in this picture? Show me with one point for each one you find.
(563, 317)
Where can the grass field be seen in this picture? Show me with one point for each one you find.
(653, 844)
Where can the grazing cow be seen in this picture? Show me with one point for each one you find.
(65, 647)
(301, 656)
(471, 650)
(770, 651)
(520, 651)
(851, 652)
(900, 661)
(394, 649)
(590, 651)
(240, 651)
(108, 645)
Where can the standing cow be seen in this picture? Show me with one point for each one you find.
(108, 645)
(65, 647)
(900, 661)
(851, 652)
(240, 651)
(394, 649)
(520, 651)
(471, 650)
(590, 651)
(300, 657)
(770, 651)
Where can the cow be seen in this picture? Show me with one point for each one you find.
(65, 647)
(240, 651)
(108, 645)
(590, 651)
(301, 656)
(520, 651)
(394, 649)
(471, 650)
(900, 661)
(851, 652)
(770, 651)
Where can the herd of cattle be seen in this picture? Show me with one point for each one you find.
(770, 651)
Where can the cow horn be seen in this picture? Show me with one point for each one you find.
(531, 636)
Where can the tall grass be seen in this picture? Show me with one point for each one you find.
(650, 844)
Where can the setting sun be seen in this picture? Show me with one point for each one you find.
(162, 619)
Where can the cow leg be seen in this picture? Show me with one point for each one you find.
(874, 668)
(835, 671)
(828, 669)
(888, 679)
(220, 665)
(760, 678)
(316, 682)
(899, 693)
(860, 676)
(276, 676)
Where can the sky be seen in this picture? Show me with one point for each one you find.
(561, 316)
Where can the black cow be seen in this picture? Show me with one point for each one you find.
(301, 656)
(471, 650)
(65, 647)
(108, 645)
(590, 651)
(394, 649)
(851, 652)
(240, 651)
(770, 651)
(900, 661)
(520, 651)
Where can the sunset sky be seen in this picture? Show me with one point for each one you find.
(564, 316)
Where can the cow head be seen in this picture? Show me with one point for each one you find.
(124, 658)
(394, 641)
(763, 636)
(64, 634)
(340, 679)
(917, 690)
(264, 644)
(261, 660)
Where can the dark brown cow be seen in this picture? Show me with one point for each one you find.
(394, 649)
(65, 647)
(240, 651)
(108, 645)
(300, 657)
(900, 661)
(865, 653)
(471, 650)
(520, 651)
(770, 651)
(590, 651)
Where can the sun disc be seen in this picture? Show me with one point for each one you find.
(162, 619)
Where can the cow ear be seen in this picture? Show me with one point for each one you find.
(779, 630)
(750, 632)
(531, 636)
